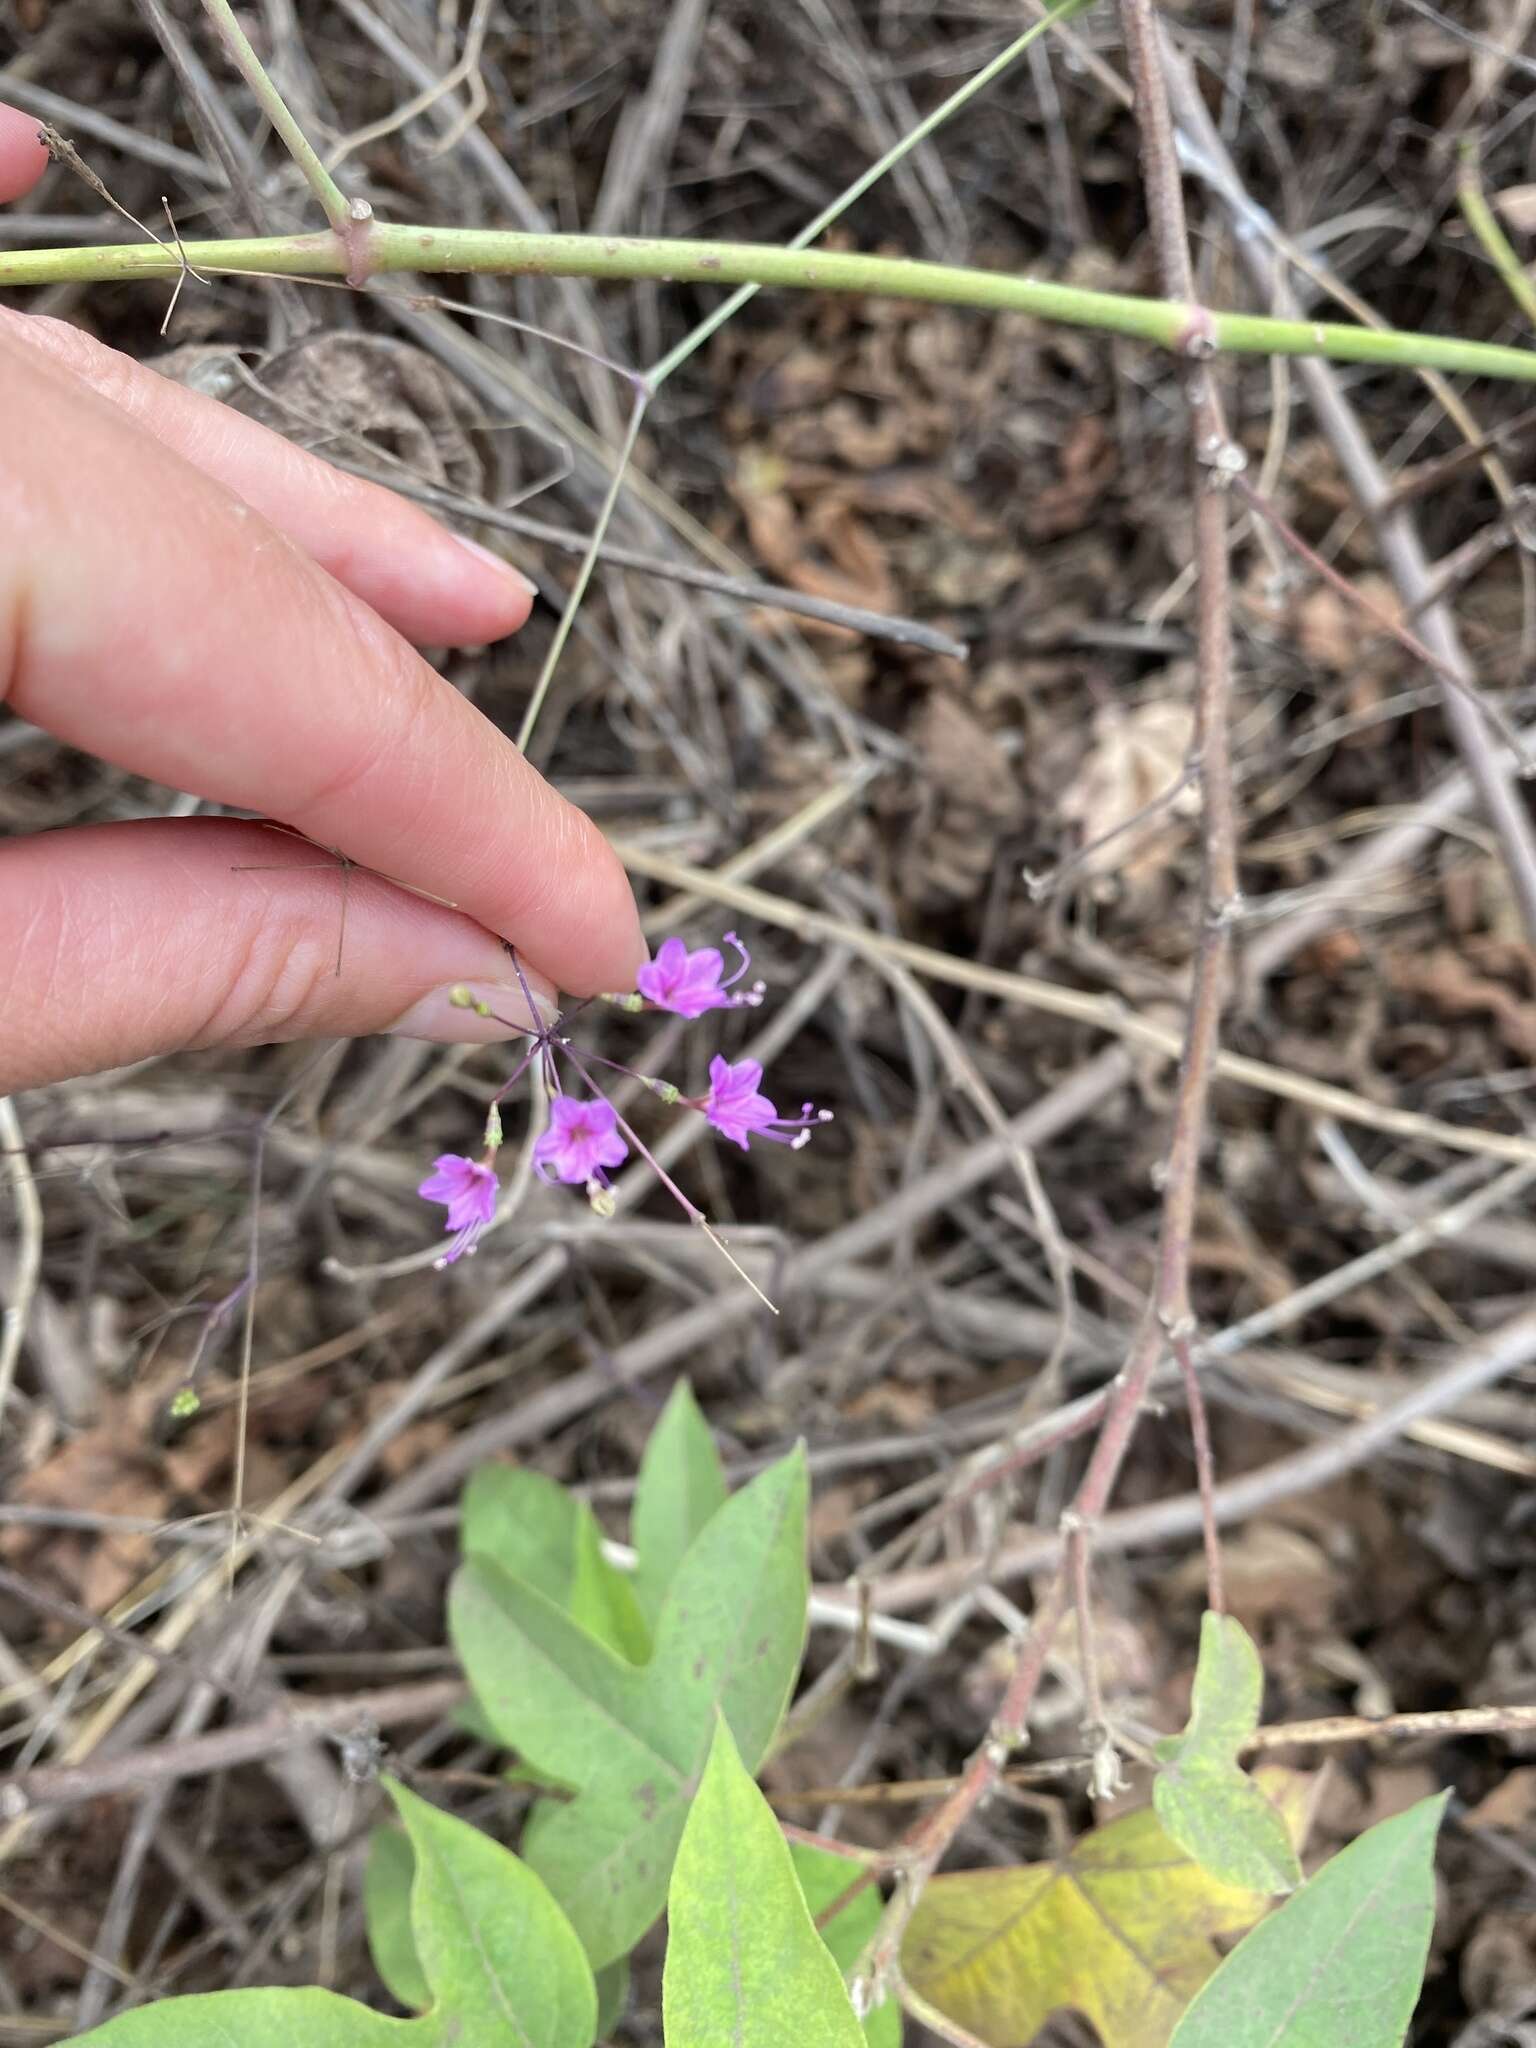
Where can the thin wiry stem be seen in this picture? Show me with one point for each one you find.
(578, 589)
(647, 386)
(814, 229)
(1267, 258)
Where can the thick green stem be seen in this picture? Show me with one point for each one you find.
(1190, 330)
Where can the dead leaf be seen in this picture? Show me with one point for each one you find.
(828, 552)
(964, 762)
(1132, 758)
(1121, 1929)
(1517, 205)
(1089, 462)
(1448, 978)
(1511, 1803)
(1337, 634)
(1498, 1966)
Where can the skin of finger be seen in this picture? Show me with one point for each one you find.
(390, 553)
(174, 934)
(147, 615)
(23, 158)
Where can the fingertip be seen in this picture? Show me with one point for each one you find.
(488, 590)
(436, 588)
(23, 153)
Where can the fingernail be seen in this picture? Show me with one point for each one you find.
(498, 562)
(476, 1013)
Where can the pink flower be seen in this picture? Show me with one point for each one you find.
(469, 1191)
(737, 1110)
(688, 984)
(581, 1140)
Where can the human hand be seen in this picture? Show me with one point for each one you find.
(185, 594)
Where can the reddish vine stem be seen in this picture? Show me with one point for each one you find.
(1168, 1320)
(1205, 1472)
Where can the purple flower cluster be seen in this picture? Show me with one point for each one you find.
(586, 1137)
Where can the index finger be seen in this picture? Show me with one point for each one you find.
(23, 154)
(147, 615)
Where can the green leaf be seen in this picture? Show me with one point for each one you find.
(681, 1486)
(1342, 1960)
(634, 1742)
(1205, 1801)
(538, 1532)
(486, 1942)
(387, 1911)
(612, 1995)
(502, 1959)
(824, 1878)
(298, 2018)
(745, 1964)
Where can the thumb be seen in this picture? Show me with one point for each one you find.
(121, 941)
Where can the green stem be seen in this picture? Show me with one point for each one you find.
(584, 574)
(1186, 329)
(338, 208)
(1483, 222)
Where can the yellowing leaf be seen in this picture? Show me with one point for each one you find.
(1121, 1929)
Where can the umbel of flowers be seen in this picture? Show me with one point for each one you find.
(586, 1138)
